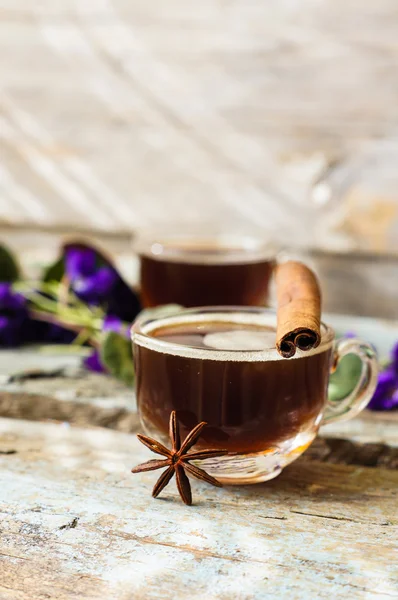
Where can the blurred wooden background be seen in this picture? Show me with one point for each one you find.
(279, 115)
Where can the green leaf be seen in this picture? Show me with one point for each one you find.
(54, 272)
(117, 356)
(345, 378)
(9, 270)
(127, 374)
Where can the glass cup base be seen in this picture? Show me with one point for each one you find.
(243, 469)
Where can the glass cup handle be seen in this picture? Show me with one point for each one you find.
(348, 407)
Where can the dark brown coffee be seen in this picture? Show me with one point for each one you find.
(250, 405)
(204, 276)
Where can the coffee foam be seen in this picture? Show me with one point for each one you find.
(143, 338)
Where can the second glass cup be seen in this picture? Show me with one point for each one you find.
(193, 270)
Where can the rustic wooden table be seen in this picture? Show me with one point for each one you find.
(76, 524)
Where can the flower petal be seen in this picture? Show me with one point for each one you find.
(14, 318)
(112, 323)
(387, 384)
(95, 288)
(391, 403)
(395, 358)
(93, 363)
(12, 332)
(105, 278)
(10, 300)
(5, 293)
(79, 262)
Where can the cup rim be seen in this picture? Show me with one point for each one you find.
(183, 247)
(148, 321)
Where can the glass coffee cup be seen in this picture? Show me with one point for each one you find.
(195, 270)
(220, 365)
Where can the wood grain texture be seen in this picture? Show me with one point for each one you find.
(40, 387)
(120, 115)
(76, 524)
(119, 413)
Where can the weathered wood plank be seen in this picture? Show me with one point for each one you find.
(119, 412)
(346, 452)
(76, 523)
(45, 387)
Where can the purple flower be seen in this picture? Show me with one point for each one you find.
(394, 355)
(97, 282)
(90, 282)
(387, 386)
(111, 323)
(93, 362)
(79, 261)
(18, 327)
(14, 319)
(350, 334)
(386, 393)
(392, 403)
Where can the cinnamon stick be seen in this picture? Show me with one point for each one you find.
(299, 308)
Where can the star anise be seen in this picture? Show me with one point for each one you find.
(178, 459)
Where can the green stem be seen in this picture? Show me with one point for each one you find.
(41, 301)
(65, 349)
(72, 323)
(65, 309)
(82, 337)
(70, 308)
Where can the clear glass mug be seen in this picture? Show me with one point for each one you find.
(220, 365)
(204, 270)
